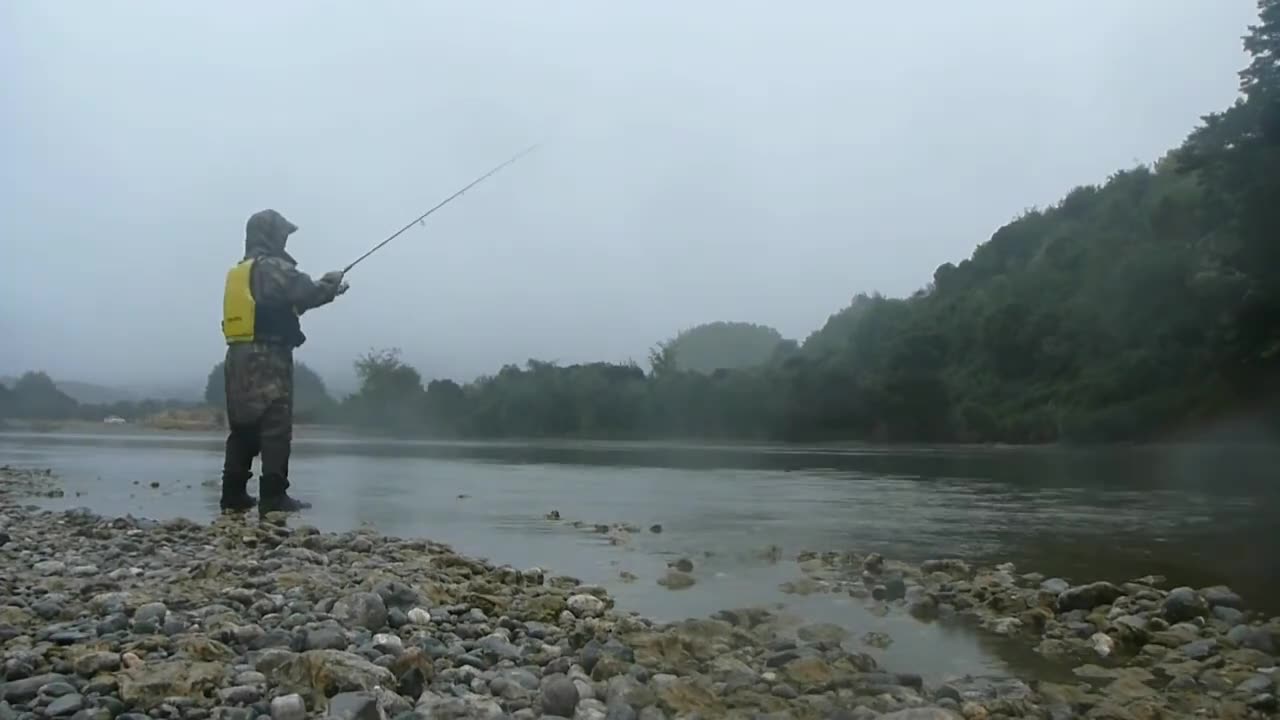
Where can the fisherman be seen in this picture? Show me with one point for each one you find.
(264, 297)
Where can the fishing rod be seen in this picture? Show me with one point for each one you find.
(419, 220)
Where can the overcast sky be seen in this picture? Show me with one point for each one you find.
(758, 161)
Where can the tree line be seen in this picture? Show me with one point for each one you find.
(35, 396)
(1142, 307)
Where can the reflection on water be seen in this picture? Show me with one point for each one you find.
(1199, 515)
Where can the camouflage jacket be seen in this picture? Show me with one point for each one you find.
(260, 374)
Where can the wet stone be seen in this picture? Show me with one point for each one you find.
(354, 706)
(288, 707)
(559, 696)
(65, 705)
(1184, 604)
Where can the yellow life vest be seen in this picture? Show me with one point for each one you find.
(239, 311)
(245, 321)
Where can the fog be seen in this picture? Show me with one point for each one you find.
(715, 161)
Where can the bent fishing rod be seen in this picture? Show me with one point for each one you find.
(419, 220)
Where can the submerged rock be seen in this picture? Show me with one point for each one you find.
(1088, 597)
(1184, 604)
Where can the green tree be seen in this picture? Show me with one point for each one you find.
(311, 399)
(36, 396)
(391, 395)
(713, 346)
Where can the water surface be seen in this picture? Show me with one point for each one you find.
(1200, 515)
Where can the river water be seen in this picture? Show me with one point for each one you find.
(1200, 515)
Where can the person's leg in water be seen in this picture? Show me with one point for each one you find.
(243, 445)
(277, 438)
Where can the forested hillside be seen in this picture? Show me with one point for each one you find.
(1137, 308)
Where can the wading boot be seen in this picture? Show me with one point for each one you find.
(235, 497)
(275, 497)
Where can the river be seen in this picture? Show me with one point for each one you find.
(1199, 515)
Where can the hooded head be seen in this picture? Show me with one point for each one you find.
(266, 234)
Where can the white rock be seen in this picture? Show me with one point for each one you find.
(49, 567)
(419, 616)
(388, 643)
(1102, 644)
(288, 707)
(586, 606)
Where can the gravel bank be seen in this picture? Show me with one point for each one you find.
(245, 620)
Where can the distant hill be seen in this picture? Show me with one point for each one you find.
(87, 393)
(729, 345)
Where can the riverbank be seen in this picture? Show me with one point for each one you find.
(241, 618)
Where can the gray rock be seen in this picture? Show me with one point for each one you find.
(1055, 586)
(559, 696)
(591, 710)
(289, 707)
(396, 594)
(240, 695)
(621, 711)
(361, 610)
(1259, 683)
(151, 613)
(1200, 649)
(951, 566)
(388, 644)
(65, 705)
(1181, 683)
(1254, 638)
(20, 691)
(586, 606)
(921, 713)
(824, 632)
(330, 669)
(653, 712)
(57, 689)
(499, 648)
(48, 608)
(895, 588)
(1230, 616)
(468, 706)
(1266, 702)
(1183, 604)
(354, 706)
(627, 690)
(1222, 596)
(1088, 597)
(325, 638)
(92, 663)
(50, 567)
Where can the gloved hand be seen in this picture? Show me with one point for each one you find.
(332, 278)
(342, 287)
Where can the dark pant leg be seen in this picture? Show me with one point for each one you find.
(277, 439)
(237, 465)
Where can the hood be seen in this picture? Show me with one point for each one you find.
(266, 234)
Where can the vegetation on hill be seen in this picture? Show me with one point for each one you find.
(311, 399)
(724, 346)
(1132, 309)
